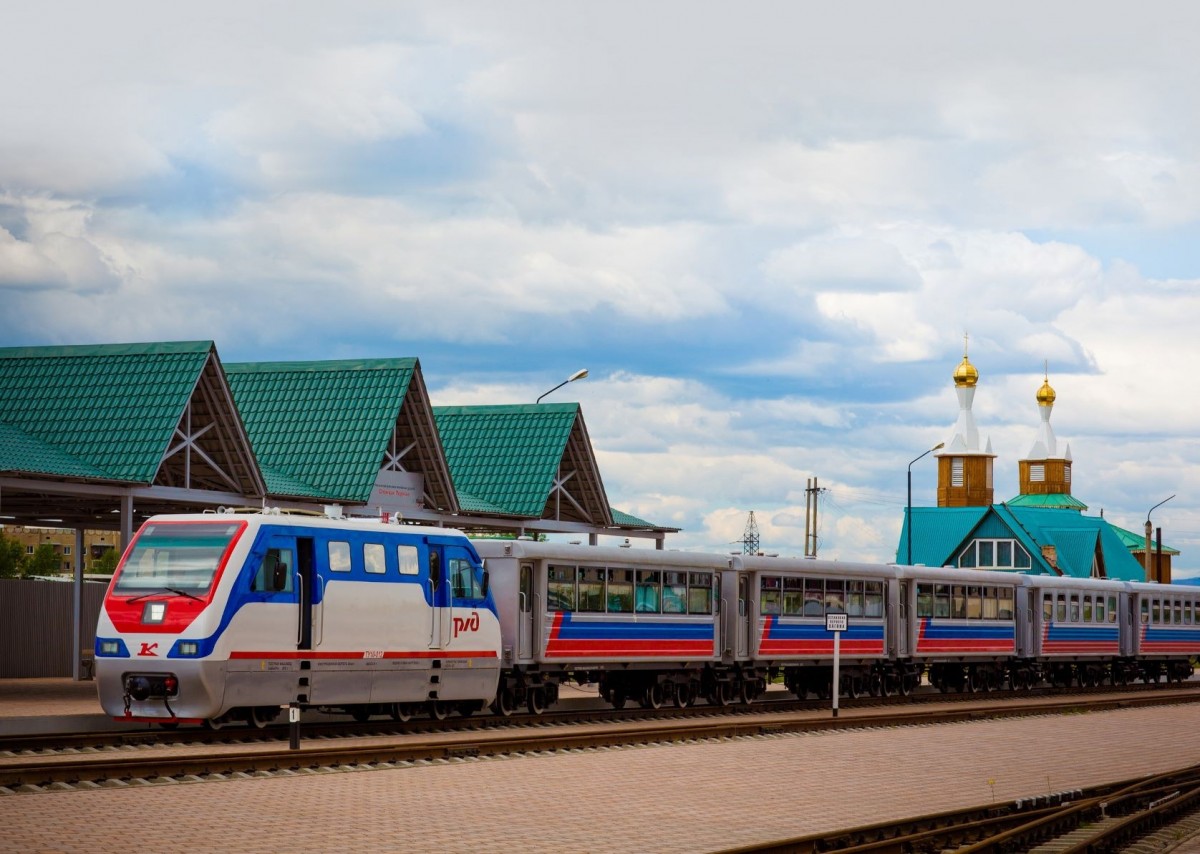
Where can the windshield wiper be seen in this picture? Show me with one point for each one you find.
(160, 591)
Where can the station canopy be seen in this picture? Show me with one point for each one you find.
(103, 436)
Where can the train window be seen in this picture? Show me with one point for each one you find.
(560, 588)
(1074, 608)
(1004, 603)
(941, 600)
(1087, 608)
(924, 600)
(374, 559)
(814, 597)
(649, 585)
(406, 559)
(855, 605)
(1155, 611)
(874, 599)
(463, 583)
(1062, 608)
(958, 602)
(620, 591)
(1178, 613)
(1099, 609)
(274, 573)
(793, 597)
(591, 588)
(990, 605)
(768, 600)
(700, 586)
(1187, 613)
(339, 556)
(1145, 611)
(974, 603)
(674, 594)
(1048, 607)
(835, 596)
(1112, 609)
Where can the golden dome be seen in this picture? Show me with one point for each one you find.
(965, 374)
(1046, 395)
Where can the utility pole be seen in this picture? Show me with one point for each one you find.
(810, 517)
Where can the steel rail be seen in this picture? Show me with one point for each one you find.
(74, 768)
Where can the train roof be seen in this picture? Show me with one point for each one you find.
(308, 520)
(601, 554)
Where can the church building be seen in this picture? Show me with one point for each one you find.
(1043, 530)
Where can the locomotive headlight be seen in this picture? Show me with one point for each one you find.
(110, 647)
(188, 648)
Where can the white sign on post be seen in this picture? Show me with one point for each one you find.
(836, 623)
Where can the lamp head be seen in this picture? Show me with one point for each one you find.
(578, 375)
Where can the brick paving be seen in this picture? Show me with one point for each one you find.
(671, 798)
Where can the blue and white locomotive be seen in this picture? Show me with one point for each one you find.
(214, 617)
(231, 616)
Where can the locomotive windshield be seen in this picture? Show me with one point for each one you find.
(177, 556)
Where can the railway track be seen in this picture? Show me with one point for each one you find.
(49, 744)
(173, 762)
(1103, 818)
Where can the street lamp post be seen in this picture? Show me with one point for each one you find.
(1148, 512)
(908, 518)
(578, 375)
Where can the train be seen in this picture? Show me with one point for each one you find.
(230, 617)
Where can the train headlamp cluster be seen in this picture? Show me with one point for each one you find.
(187, 649)
(110, 647)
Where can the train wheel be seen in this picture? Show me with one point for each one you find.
(468, 708)
(400, 712)
(505, 703)
(683, 695)
(746, 691)
(652, 697)
(907, 684)
(973, 681)
(260, 716)
(361, 714)
(535, 700)
(853, 687)
(875, 685)
(216, 723)
(724, 693)
(619, 698)
(887, 684)
(438, 710)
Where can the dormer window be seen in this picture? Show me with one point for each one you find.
(993, 554)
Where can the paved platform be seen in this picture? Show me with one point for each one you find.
(669, 798)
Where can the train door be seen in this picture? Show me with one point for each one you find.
(310, 603)
(440, 618)
(525, 617)
(743, 615)
(898, 625)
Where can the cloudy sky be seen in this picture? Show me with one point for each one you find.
(764, 228)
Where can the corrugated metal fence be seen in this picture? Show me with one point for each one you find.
(36, 626)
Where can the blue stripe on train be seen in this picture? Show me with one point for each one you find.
(568, 629)
(811, 631)
(1082, 633)
(966, 631)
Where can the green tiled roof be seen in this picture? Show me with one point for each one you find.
(101, 411)
(1055, 500)
(1137, 542)
(505, 456)
(940, 532)
(937, 533)
(320, 429)
(628, 520)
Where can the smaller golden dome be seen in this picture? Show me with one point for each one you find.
(1046, 395)
(965, 374)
